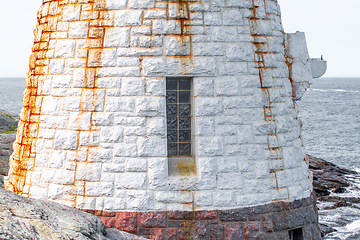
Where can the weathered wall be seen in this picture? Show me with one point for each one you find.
(93, 128)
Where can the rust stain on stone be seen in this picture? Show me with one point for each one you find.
(186, 168)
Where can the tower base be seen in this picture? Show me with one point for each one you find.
(278, 220)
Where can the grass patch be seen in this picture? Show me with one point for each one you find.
(10, 130)
(9, 116)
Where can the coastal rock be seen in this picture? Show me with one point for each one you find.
(25, 218)
(328, 177)
(7, 121)
(6, 142)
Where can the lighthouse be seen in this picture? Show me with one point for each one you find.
(169, 119)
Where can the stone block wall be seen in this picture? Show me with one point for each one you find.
(93, 129)
(269, 221)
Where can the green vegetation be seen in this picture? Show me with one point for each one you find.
(10, 130)
(9, 116)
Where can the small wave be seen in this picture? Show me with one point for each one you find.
(353, 226)
(334, 90)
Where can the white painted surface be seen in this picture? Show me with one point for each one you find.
(111, 141)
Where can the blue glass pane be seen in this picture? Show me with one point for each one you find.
(184, 84)
(171, 84)
(172, 149)
(184, 136)
(171, 110)
(184, 97)
(184, 109)
(184, 123)
(172, 123)
(185, 149)
(171, 97)
(172, 136)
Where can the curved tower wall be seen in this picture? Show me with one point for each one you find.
(93, 130)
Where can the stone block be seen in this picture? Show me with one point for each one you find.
(223, 34)
(139, 200)
(65, 49)
(177, 45)
(217, 231)
(57, 159)
(155, 87)
(205, 106)
(61, 81)
(125, 150)
(127, 221)
(79, 121)
(150, 106)
(64, 177)
(232, 16)
(99, 189)
(133, 86)
(111, 134)
(103, 119)
(116, 4)
(88, 172)
(78, 29)
(242, 52)
(223, 199)
(136, 4)
(212, 18)
(38, 193)
(55, 192)
(93, 100)
(128, 18)
(210, 146)
(166, 27)
(66, 140)
(136, 164)
(157, 173)
(204, 86)
(50, 105)
(156, 127)
(152, 219)
(203, 199)
(108, 58)
(117, 37)
(152, 147)
(100, 155)
(178, 11)
(158, 233)
(123, 104)
(227, 164)
(205, 126)
(234, 231)
(71, 12)
(155, 14)
(56, 66)
(208, 49)
(114, 204)
(131, 181)
(230, 181)
(227, 86)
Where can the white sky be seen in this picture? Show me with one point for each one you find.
(332, 29)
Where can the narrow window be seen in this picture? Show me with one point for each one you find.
(296, 234)
(178, 116)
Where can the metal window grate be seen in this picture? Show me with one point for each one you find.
(178, 116)
(296, 234)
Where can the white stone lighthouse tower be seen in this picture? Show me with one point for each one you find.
(171, 119)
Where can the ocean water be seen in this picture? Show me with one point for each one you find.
(330, 113)
(11, 90)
